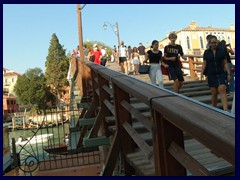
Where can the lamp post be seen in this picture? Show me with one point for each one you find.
(116, 31)
(80, 35)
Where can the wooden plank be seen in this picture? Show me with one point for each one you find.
(109, 106)
(139, 141)
(108, 167)
(187, 160)
(196, 93)
(140, 106)
(107, 90)
(141, 164)
(137, 115)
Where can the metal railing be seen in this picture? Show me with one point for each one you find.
(51, 145)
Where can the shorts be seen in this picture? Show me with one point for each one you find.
(135, 61)
(122, 59)
(175, 73)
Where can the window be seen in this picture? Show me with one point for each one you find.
(201, 42)
(188, 43)
(229, 40)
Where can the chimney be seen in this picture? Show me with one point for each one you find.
(232, 27)
(193, 25)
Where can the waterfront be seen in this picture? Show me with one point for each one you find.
(30, 151)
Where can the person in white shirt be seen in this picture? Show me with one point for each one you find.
(104, 56)
(122, 54)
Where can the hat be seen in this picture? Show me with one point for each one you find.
(95, 45)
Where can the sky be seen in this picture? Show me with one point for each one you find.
(27, 29)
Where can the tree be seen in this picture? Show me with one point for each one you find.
(57, 64)
(31, 89)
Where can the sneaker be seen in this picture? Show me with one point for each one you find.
(226, 110)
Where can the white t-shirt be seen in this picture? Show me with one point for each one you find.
(122, 51)
(103, 51)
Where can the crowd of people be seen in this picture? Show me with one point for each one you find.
(217, 66)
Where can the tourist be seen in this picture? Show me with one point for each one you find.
(155, 57)
(135, 58)
(171, 55)
(122, 54)
(141, 51)
(228, 50)
(215, 59)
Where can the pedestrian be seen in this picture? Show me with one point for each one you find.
(135, 58)
(228, 50)
(104, 55)
(155, 58)
(97, 54)
(129, 59)
(171, 55)
(122, 54)
(141, 51)
(215, 60)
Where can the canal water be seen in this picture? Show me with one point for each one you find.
(35, 150)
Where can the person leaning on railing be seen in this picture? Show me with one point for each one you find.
(214, 61)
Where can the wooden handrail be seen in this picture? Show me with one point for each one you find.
(192, 63)
(212, 128)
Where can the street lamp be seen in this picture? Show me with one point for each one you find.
(116, 31)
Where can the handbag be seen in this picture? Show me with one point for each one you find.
(205, 71)
(164, 70)
(143, 69)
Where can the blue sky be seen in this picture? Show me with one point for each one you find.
(27, 29)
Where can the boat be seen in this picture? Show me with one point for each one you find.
(33, 140)
(56, 148)
(60, 148)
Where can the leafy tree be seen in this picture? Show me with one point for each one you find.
(31, 89)
(57, 64)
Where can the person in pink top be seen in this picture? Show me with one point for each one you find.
(97, 54)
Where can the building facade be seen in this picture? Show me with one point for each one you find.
(9, 80)
(193, 38)
(10, 104)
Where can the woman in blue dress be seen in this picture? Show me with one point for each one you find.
(215, 60)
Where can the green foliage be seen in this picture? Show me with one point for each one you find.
(57, 64)
(31, 89)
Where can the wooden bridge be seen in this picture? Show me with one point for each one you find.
(149, 130)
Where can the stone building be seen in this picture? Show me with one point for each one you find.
(193, 38)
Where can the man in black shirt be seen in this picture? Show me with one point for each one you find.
(171, 55)
(141, 52)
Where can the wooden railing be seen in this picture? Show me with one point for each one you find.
(193, 65)
(172, 116)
